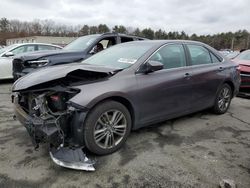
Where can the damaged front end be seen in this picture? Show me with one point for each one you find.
(50, 118)
(43, 105)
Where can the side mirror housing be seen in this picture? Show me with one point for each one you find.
(8, 54)
(93, 51)
(151, 66)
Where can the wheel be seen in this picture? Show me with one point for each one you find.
(107, 127)
(223, 99)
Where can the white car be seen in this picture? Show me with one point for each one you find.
(7, 54)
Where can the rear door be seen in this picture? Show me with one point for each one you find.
(167, 92)
(207, 75)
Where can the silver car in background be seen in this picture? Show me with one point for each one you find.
(7, 54)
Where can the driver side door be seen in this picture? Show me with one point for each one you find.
(165, 93)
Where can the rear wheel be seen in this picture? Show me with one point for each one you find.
(223, 99)
(107, 127)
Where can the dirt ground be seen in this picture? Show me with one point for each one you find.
(197, 150)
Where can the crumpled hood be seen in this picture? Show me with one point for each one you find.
(56, 72)
(46, 54)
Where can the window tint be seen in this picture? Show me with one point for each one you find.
(171, 56)
(126, 39)
(45, 47)
(199, 55)
(214, 58)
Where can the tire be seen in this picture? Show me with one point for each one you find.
(223, 99)
(107, 127)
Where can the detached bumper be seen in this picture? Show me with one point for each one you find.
(47, 131)
(71, 158)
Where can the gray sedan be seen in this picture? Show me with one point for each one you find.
(98, 102)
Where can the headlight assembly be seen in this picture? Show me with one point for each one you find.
(39, 63)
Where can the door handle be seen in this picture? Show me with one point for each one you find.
(187, 75)
(221, 69)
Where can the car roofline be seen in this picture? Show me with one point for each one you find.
(36, 43)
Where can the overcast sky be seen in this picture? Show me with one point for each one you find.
(191, 16)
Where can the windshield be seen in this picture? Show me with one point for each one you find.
(81, 43)
(119, 56)
(244, 55)
(7, 48)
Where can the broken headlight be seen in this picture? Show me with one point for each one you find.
(57, 101)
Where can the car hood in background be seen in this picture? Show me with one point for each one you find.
(45, 54)
(242, 62)
(56, 72)
(244, 65)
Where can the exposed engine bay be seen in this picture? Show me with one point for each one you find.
(43, 106)
(51, 120)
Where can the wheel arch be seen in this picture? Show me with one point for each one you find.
(123, 100)
(230, 83)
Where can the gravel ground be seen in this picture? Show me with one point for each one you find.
(197, 150)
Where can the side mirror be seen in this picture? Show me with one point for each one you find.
(152, 66)
(93, 51)
(8, 54)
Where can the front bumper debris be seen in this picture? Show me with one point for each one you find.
(47, 131)
(71, 158)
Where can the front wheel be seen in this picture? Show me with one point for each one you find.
(107, 127)
(223, 99)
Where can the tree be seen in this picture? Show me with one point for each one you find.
(93, 30)
(47, 27)
(4, 25)
(159, 34)
(16, 28)
(103, 28)
(85, 30)
(120, 29)
(36, 27)
(148, 33)
(137, 32)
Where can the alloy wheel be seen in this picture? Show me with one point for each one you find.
(224, 99)
(110, 129)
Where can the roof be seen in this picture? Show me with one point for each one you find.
(35, 43)
(169, 41)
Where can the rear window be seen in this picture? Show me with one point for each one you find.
(126, 39)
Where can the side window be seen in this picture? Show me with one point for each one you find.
(199, 55)
(23, 49)
(103, 44)
(18, 50)
(108, 42)
(30, 48)
(126, 39)
(171, 56)
(214, 58)
(45, 47)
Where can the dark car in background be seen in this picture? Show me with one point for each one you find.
(78, 50)
(96, 103)
(243, 60)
